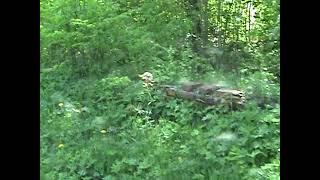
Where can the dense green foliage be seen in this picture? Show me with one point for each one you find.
(98, 121)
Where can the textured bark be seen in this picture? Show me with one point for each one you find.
(198, 12)
(207, 94)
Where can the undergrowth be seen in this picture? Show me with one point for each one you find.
(98, 121)
(114, 128)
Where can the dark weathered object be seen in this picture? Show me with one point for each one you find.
(208, 89)
(207, 94)
(191, 86)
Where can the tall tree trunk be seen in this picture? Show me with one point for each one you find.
(197, 11)
(226, 30)
(249, 24)
(219, 23)
(205, 22)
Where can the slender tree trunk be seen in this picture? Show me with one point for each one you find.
(249, 23)
(233, 20)
(219, 23)
(198, 12)
(226, 30)
(237, 24)
(205, 22)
